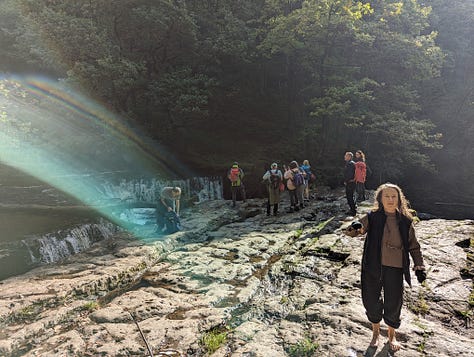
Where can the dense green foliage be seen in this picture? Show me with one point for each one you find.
(264, 80)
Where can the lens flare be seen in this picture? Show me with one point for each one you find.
(69, 141)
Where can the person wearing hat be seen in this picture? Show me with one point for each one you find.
(235, 176)
(273, 178)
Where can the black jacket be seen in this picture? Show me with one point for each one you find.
(349, 171)
(372, 257)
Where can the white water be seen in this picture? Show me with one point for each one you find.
(198, 189)
(57, 245)
(54, 247)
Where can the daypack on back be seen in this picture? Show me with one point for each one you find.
(234, 174)
(298, 178)
(360, 171)
(307, 170)
(274, 179)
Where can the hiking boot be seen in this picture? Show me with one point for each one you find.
(301, 206)
(296, 208)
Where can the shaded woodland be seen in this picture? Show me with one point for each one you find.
(259, 81)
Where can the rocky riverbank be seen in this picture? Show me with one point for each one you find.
(238, 283)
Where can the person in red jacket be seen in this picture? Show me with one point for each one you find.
(360, 175)
(236, 176)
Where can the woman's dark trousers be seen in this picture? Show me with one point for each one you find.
(388, 307)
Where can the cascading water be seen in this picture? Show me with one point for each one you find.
(54, 247)
(133, 203)
(18, 257)
(197, 189)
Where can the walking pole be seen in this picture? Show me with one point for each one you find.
(141, 333)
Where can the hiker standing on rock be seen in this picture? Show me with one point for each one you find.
(360, 175)
(306, 168)
(295, 184)
(389, 241)
(235, 176)
(273, 179)
(349, 182)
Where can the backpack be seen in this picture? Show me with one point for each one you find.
(172, 222)
(274, 179)
(234, 174)
(360, 171)
(298, 179)
(307, 170)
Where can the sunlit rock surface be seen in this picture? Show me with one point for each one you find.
(275, 286)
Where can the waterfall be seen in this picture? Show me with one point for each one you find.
(198, 189)
(54, 247)
(130, 200)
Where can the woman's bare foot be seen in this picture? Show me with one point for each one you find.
(375, 335)
(394, 344)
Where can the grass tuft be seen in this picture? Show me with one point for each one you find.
(213, 340)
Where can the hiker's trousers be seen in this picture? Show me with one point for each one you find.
(234, 190)
(350, 188)
(388, 307)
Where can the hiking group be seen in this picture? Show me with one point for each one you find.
(297, 179)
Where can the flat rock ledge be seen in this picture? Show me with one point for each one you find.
(236, 282)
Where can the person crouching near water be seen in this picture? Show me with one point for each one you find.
(385, 262)
(169, 201)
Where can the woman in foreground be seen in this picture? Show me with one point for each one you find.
(385, 262)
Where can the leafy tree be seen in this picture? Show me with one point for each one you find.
(295, 78)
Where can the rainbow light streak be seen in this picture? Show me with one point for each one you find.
(67, 140)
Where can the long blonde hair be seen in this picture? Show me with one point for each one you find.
(403, 204)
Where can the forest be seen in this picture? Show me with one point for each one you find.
(257, 81)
